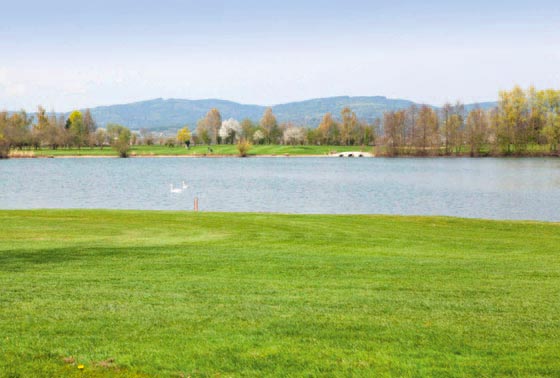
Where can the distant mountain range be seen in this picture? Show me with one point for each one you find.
(166, 114)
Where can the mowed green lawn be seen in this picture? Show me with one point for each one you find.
(201, 150)
(177, 294)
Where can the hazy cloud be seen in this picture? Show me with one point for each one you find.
(8, 87)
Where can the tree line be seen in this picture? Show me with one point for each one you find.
(524, 122)
(349, 131)
(20, 130)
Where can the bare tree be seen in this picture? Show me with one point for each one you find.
(328, 130)
(393, 128)
(348, 126)
(427, 138)
(476, 131)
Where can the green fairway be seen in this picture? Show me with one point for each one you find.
(176, 294)
(223, 149)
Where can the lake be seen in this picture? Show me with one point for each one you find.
(464, 187)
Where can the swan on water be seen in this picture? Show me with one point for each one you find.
(175, 190)
(185, 186)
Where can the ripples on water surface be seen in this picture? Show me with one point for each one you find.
(481, 188)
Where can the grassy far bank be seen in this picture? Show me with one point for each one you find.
(259, 150)
(134, 294)
(200, 150)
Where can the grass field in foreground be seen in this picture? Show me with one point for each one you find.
(173, 294)
(201, 150)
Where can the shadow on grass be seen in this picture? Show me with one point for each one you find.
(18, 260)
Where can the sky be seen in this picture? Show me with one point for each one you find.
(67, 54)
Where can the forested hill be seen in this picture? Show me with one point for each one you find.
(174, 113)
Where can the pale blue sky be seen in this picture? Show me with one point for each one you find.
(65, 55)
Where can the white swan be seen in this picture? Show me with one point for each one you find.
(175, 190)
(185, 186)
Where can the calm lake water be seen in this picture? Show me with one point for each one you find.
(481, 188)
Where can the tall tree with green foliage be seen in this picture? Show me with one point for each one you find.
(549, 102)
(513, 111)
(365, 133)
(77, 129)
(536, 116)
(120, 137)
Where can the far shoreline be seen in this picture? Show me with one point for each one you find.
(221, 156)
(271, 156)
(271, 151)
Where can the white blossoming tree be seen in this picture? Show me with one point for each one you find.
(294, 135)
(230, 131)
(258, 137)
